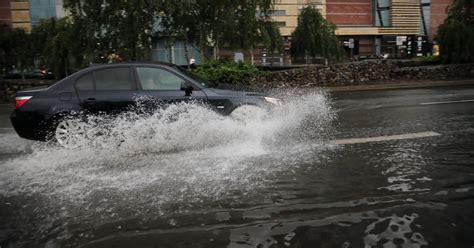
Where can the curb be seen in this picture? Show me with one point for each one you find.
(407, 85)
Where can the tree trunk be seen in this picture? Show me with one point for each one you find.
(217, 50)
(186, 51)
(20, 66)
(201, 47)
(252, 58)
(66, 65)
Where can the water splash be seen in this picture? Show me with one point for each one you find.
(183, 153)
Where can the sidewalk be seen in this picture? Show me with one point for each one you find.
(402, 85)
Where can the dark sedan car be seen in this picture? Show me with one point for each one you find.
(42, 113)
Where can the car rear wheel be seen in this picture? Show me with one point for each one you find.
(70, 133)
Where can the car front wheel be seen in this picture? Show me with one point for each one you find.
(247, 113)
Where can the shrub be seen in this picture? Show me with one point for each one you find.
(456, 34)
(225, 72)
(432, 59)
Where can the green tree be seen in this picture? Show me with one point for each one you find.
(4, 47)
(129, 27)
(456, 34)
(315, 37)
(176, 23)
(123, 26)
(246, 23)
(20, 49)
(14, 49)
(272, 37)
(60, 44)
(230, 23)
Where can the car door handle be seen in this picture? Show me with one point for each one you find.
(90, 99)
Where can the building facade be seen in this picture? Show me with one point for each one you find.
(27, 13)
(42, 9)
(20, 14)
(368, 28)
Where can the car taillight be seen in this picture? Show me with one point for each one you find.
(20, 100)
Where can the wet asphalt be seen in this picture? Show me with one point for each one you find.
(409, 192)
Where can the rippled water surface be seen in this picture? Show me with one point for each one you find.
(187, 177)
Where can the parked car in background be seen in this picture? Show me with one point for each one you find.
(41, 73)
(43, 113)
(13, 74)
(37, 73)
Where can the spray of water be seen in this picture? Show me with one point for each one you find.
(182, 153)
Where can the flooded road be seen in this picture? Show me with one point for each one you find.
(356, 169)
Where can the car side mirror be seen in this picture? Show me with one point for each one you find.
(187, 88)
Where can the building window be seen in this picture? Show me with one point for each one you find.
(280, 24)
(278, 12)
(316, 6)
(382, 13)
(425, 16)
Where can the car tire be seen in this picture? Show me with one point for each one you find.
(69, 132)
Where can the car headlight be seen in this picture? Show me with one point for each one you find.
(273, 100)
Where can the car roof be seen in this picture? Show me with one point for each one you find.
(133, 63)
(93, 67)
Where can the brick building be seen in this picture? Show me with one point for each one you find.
(398, 27)
(438, 15)
(5, 13)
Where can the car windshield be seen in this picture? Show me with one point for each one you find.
(198, 79)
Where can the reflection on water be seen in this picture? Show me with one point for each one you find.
(405, 166)
(394, 231)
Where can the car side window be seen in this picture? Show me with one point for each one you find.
(85, 82)
(158, 79)
(113, 79)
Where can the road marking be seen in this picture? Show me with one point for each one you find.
(385, 138)
(446, 102)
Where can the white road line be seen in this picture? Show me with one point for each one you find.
(446, 102)
(385, 138)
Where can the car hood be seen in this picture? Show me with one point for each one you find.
(233, 92)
